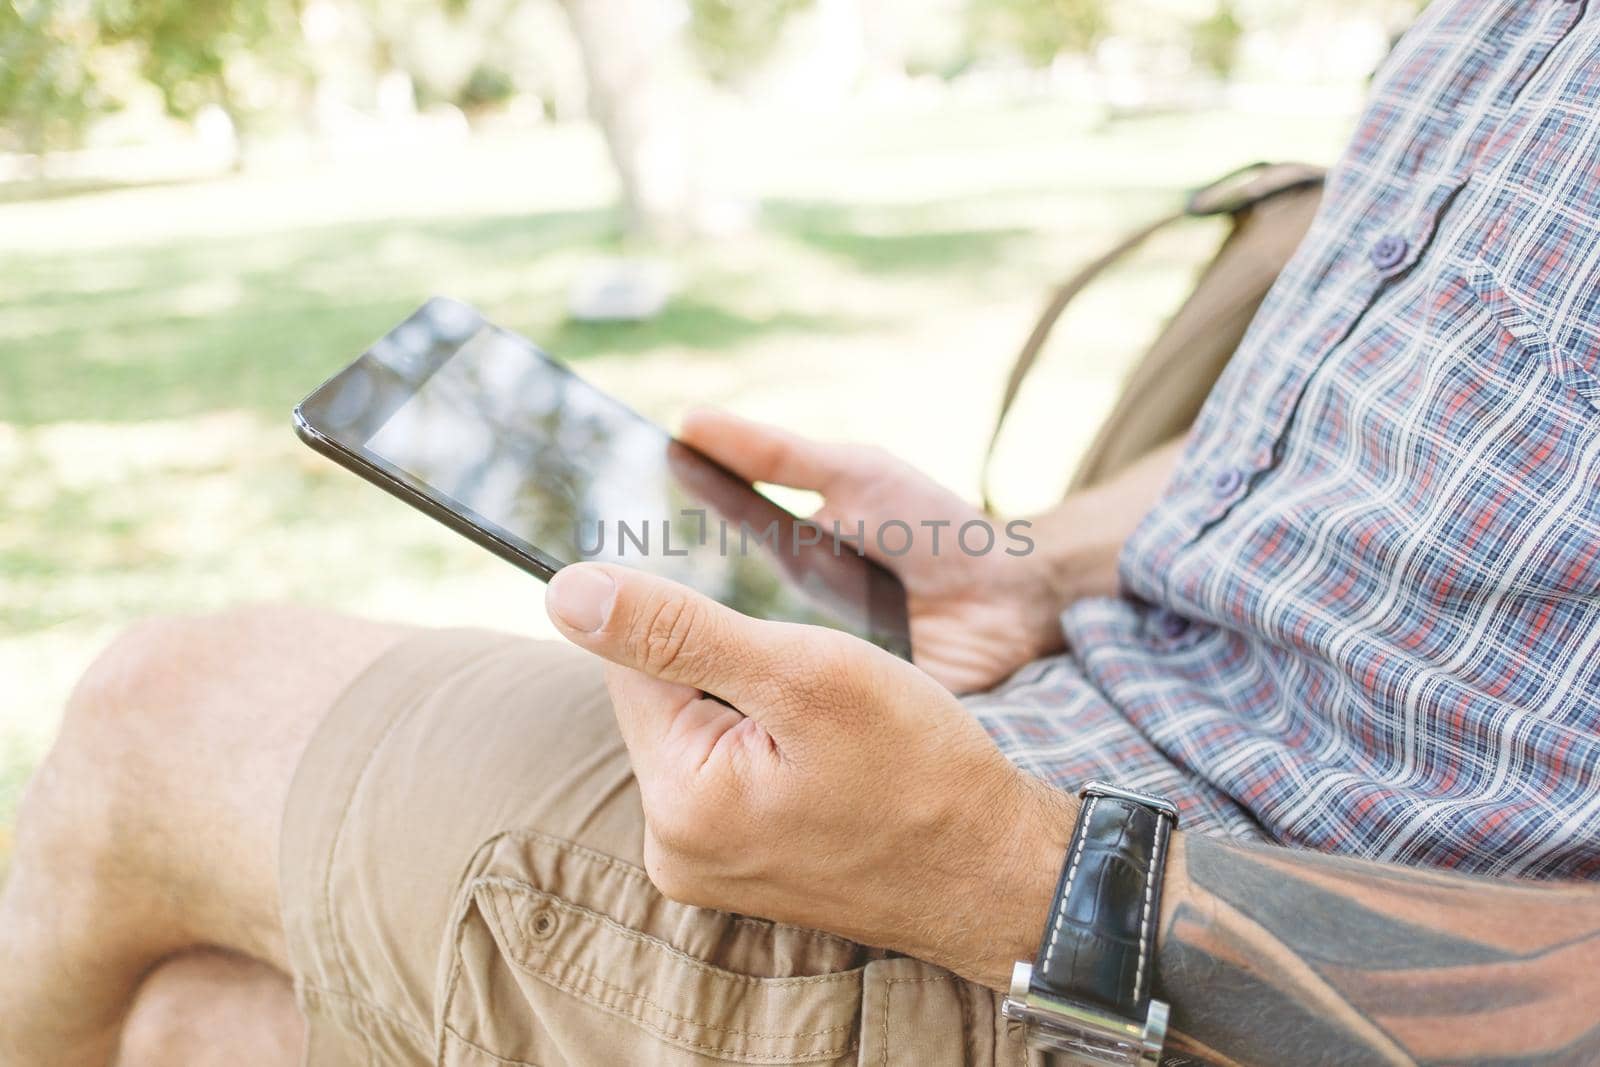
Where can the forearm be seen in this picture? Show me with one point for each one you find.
(1272, 956)
(1078, 541)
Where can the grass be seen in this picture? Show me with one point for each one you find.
(153, 340)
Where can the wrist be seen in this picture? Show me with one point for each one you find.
(1078, 544)
(1025, 861)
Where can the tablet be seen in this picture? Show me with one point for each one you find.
(477, 427)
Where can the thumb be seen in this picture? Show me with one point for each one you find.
(761, 453)
(664, 630)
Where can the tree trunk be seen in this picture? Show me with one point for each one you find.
(632, 58)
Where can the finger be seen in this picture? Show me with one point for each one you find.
(671, 633)
(645, 708)
(760, 453)
(665, 725)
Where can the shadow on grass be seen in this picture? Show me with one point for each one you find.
(254, 323)
(889, 241)
(686, 322)
(251, 322)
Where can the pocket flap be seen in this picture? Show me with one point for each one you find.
(559, 949)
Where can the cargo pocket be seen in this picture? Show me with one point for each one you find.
(564, 956)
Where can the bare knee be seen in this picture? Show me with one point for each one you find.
(83, 816)
(151, 827)
(154, 673)
(134, 678)
(174, 761)
(125, 724)
(171, 693)
(208, 1008)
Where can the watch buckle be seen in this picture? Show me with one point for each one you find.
(1090, 1035)
(1161, 805)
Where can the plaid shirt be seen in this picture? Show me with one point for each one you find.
(1365, 615)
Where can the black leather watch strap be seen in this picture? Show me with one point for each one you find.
(1099, 942)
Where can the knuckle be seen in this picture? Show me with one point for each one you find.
(663, 640)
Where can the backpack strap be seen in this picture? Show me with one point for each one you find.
(1234, 194)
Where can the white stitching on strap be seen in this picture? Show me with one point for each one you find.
(1072, 872)
(1149, 893)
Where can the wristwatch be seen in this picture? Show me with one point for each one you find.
(1087, 993)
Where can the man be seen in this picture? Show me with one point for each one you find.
(1356, 612)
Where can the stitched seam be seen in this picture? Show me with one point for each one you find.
(1149, 893)
(662, 1032)
(637, 874)
(574, 968)
(1072, 872)
(466, 904)
(457, 934)
(669, 1013)
(763, 925)
(474, 1046)
(512, 885)
(562, 844)
(886, 988)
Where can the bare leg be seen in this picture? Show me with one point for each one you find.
(210, 1008)
(152, 827)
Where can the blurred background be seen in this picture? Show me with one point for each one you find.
(838, 215)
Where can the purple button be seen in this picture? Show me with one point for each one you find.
(1227, 482)
(1389, 251)
(1169, 624)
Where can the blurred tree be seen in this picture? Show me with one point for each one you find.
(633, 63)
(1216, 39)
(187, 46)
(47, 91)
(486, 87)
(1039, 30)
(733, 37)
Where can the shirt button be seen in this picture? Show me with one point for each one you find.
(1227, 482)
(1389, 251)
(1169, 624)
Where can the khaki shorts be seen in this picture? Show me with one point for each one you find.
(462, 885)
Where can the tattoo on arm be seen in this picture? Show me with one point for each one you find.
(1271, 956)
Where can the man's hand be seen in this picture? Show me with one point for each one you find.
(834, 786)
(974, 618)
(846, 791)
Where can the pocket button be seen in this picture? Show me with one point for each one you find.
(543, 923)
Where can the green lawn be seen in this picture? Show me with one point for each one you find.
(153, 341)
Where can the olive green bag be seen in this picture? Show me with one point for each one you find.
(1271, 206)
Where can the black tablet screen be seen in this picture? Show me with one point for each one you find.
(480, 422)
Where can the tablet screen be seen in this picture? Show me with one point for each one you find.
(480, 422)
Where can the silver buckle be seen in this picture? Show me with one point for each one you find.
(1161, 805)
(1090, 1035)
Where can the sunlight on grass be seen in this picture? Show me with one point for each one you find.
(153, 341)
